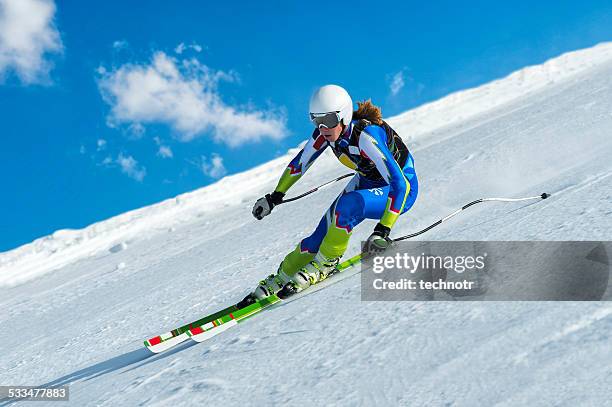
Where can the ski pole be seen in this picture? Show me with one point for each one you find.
(358, 257)
(316, 188)
(433, 225)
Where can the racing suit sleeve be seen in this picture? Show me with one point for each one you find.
(301, 162)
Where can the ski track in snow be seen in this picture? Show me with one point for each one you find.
(76, 305)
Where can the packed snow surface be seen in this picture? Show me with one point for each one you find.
(77, 304)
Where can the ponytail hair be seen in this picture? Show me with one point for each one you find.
(367, 110)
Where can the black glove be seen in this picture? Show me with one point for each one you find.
(264, 205)
(378, 241)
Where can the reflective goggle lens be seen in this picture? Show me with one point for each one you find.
(329, 120)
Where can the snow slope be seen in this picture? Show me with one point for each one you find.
(76, 305)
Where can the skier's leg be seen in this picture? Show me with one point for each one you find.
(343, 215)
(309, 246)
(350, 209)
(345, 207)
(303, 254)
(305, 250)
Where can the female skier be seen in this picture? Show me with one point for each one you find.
(384, 186)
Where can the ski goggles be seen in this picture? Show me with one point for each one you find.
(328, 120)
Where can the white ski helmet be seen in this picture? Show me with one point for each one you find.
(332, 98)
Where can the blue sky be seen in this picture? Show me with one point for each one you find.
(103, 110)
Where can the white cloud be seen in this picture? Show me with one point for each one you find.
(120, 44)
(397, 83)
(27, 37)
(183, 94)
(213, 167)
(165, 152)
(101, 143)
(130, 167)
(182, 48)
(137, 130)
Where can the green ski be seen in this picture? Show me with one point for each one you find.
(213, 324)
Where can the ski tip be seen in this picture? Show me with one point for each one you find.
(545, 195)
(153, 341)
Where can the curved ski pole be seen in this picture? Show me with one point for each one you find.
(357, 258)
(444, 219)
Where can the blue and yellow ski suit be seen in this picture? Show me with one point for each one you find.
(385, 186)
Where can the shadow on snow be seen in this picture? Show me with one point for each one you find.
(135, 359)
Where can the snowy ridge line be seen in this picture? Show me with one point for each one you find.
(68, 246)
(459, 106)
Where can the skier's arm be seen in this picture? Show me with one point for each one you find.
(372, 142)
(301, 162)
(294, 171)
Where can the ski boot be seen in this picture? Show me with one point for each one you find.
(314, 272)
(270, 285)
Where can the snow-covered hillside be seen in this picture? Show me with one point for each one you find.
(76, 305)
